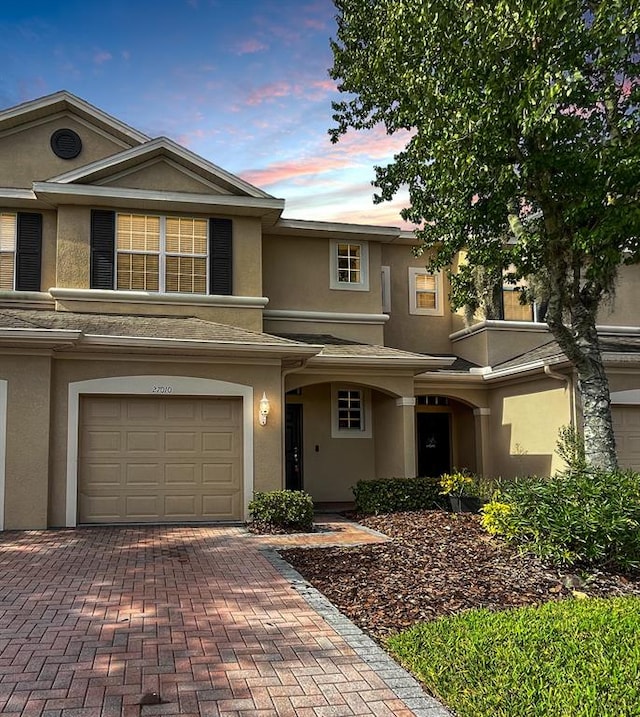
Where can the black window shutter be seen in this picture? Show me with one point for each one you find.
(103, 242)
(220, 256)
(29, 252)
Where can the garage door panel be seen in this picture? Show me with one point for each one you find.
(154, 459)
(223, 474)
(626, 426)
(101, 508)
(217, 507)
(185, 474)
(104, 441)
(181, 507)
(181, 441)
(140, 475)
(220, 442)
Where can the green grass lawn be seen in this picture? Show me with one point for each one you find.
(575, 658)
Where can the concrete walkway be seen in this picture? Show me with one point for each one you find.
(207, 621)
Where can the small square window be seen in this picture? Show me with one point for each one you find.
(512, 309)
(351, 413)
(425, 292)
(349, 266)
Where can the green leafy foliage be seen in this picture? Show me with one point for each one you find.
(522, 149)
(583, 518)
(390, 495)
(282, 510)
(570, 447)
(572, 658)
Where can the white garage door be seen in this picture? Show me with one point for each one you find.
(160, 459)
(626, 426)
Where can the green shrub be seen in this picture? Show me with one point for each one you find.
(282, 510)
(576, 658)
(575, 518)
(570, 447)
(391, 495)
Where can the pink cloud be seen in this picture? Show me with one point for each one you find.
(268, 93)
(102, 56)
(250, 47)
(286, 171)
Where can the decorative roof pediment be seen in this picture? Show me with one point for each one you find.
(163, 162)
(65, 103)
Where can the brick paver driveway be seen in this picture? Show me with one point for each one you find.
(94, 621)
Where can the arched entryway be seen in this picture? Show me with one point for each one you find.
(445, 435)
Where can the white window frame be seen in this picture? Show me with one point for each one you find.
(14, 248)
(385, 283)
(365, 428)
(162, 254)
(414, 272)
(335, 283)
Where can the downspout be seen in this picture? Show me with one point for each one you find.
(569, 384)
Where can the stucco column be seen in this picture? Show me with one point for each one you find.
(481, 418)
(406, 406)
(395, 432)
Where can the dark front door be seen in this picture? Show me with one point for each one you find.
(293, 446)
(434, 443)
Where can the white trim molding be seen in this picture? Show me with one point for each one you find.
(327, 317)
(365, 430)
(626, 398)
(335, 268)
(406, 401)
(3, 447)
(481, 411)
(414, 309)
(144, 386)
(171, 299)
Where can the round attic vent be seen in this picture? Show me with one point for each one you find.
(66, 143)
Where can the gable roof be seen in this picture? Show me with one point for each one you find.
(133, 158)
(64, 101)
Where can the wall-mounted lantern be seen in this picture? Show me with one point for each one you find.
(264, 409)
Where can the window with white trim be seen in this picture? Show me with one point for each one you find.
(164, 254)
(512, 308)
(351, 412)
(425, 292)
(349, 266)
(8, 236)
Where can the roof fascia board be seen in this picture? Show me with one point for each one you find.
(160, 144)
(67, 100)
(303, 227)
(107, 196)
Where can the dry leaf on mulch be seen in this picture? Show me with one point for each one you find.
(437, 564)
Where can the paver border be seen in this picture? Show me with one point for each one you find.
(397, 679)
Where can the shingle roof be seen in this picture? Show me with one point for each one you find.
(551, 350)
(135, 326)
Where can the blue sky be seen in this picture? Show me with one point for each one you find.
(244, 83)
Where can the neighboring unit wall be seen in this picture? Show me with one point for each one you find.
(622, 308)
(297, 278)
(525, 420)
(411, 332)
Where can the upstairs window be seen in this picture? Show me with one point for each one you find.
(349, 266)
(20, 251)
(512, 309)
(165, 254)
(425, 292)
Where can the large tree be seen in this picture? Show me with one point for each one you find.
(524, 149)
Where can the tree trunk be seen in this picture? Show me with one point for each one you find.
(581, 346)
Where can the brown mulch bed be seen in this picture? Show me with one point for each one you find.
(438, 564)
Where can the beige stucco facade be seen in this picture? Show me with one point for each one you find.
(363, 377)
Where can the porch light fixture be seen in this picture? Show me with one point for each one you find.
(264, 409)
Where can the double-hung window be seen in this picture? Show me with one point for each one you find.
(164, 254)
(425, 292)
(349, 266)
(8, 229)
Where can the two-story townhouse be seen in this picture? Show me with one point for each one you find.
(169, 343)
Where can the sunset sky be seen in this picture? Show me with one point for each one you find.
(244, 83)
